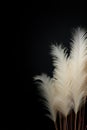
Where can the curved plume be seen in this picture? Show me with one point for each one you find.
(46, 86)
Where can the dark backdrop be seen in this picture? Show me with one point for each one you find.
(45, 23)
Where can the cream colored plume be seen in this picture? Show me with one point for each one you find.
(62, 74)
(49, 92)
(78, 59)
(68, 87)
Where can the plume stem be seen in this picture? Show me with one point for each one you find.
(83, 113)
(75, 121)
(83, 109)
(60, 118)
(79, 121)
(65, 123)
(56, 125)
(71, 121)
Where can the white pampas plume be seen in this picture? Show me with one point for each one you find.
(46, 86)
(50, 93)
(78, 65)
(79, 70)
(63, 79)
(68, 88)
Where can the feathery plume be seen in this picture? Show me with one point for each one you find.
(67, 89)
(62, 82)
(46, 86)
(78, 60)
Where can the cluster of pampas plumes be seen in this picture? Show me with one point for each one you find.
(67, 90)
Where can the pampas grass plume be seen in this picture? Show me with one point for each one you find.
(67, 89)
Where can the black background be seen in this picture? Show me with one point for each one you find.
(43, 23)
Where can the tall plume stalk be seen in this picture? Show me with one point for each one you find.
(66, 91)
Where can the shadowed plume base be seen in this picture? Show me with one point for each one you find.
(65, 93)
(71, 122)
